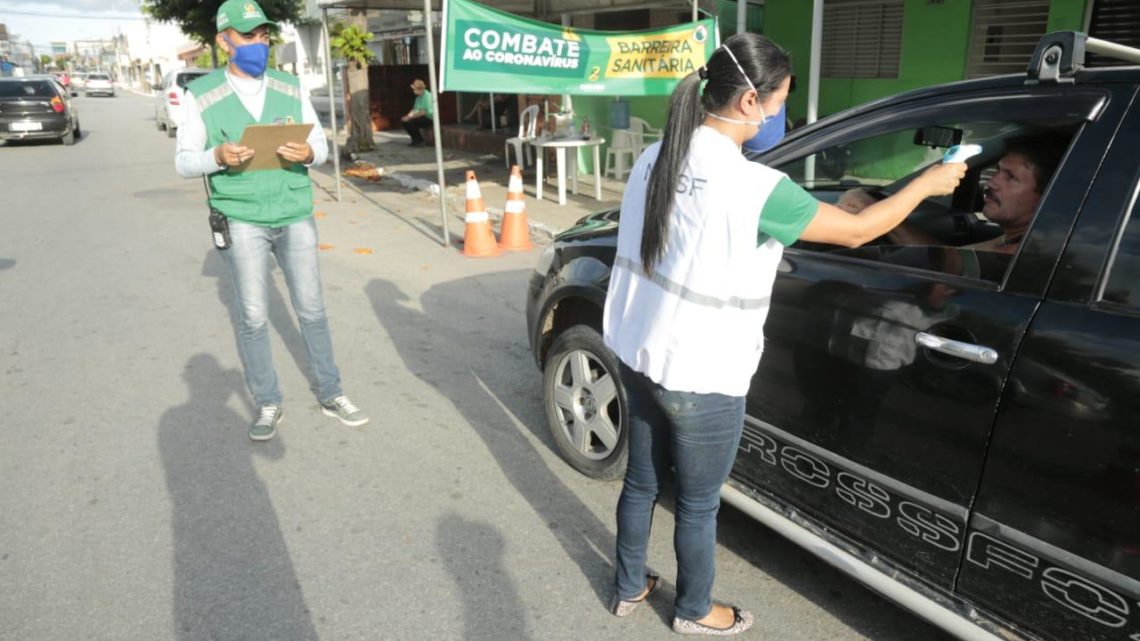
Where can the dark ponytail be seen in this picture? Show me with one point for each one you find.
(766, 65)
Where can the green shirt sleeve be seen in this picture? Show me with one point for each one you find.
(423, 103)
(786, 213)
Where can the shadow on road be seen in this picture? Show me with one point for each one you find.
(472, 552)
(6, 263)
(233, 577)
(280, 319)
(456, 354)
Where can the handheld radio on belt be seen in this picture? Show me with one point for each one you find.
(219, 224)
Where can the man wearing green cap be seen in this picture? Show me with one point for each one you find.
(269, 211)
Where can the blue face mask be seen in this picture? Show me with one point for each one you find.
(770, 134)
(251, 58)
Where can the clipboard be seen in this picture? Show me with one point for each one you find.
(264, 141)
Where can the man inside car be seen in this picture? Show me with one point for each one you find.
(1010, 199)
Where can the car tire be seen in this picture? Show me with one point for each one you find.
(585, 403)
(78, 132)
(171, 132)
(68, 138)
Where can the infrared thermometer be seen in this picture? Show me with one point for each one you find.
(959, 153)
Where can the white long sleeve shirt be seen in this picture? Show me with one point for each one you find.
(192, 159)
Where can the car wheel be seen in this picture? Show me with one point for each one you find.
(68, 138)
(171, 131)
(585, 403)
(78, 133)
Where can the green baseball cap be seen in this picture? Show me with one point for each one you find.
(241, 15)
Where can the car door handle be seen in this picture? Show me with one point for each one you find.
(976, 353)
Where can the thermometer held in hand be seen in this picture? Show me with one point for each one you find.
(959, 153)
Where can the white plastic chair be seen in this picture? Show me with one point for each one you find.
(628, 143)
(645, 134)
(528, 120)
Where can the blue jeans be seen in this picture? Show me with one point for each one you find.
(295, 247)
(695, 435)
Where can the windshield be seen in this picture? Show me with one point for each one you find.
(98, 76)
(27, 89)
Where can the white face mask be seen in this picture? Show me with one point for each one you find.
(735, 121)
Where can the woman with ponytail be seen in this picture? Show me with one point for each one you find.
(701, 235)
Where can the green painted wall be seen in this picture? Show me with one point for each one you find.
(934, 44)
(788, 23)
(1066, 15)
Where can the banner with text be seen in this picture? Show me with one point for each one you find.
(488, 50)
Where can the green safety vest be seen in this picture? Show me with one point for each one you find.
(269, 197)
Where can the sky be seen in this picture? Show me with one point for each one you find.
(67, 20)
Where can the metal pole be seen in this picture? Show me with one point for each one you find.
(332, 98)
(493, 117)
(816, 54)
(694, 10)
(435, 120)
(741, 15)
(813, 79)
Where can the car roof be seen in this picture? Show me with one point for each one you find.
(1085, 77)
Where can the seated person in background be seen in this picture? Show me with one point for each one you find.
(504, 106)
(420, 116)
(1010, 198)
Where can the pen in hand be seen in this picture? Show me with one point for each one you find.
(230, 155)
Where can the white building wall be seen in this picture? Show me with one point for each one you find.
(151, 51)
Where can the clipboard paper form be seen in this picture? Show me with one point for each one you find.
(264, 141)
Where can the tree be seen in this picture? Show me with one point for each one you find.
(197, 18)
(350, 42)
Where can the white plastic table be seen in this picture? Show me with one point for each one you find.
(560, 145)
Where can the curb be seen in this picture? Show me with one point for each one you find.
(419, 184)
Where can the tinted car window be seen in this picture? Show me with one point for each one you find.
(1123, 284)
(184, 79)
(29, 89)
(951, 231)
(98, 76)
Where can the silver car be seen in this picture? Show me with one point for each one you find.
(98, 83)
(170, 96)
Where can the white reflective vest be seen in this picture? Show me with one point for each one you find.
(696, 324)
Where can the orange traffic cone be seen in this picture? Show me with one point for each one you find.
(515, 235)
(478, 238)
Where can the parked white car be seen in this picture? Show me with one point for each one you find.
(98, 82)
(170, 97)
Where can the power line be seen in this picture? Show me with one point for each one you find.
(77, 16)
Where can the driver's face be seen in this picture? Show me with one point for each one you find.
(1011, 195)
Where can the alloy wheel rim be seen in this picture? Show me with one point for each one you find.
(586, 404)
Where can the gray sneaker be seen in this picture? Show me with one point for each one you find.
(265, 426)
(342, 408)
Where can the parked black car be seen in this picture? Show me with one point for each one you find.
(964, 441)
(37, 107)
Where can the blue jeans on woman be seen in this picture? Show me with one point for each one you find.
(695, 436)
(295, 247)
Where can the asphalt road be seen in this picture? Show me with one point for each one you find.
(134, 507)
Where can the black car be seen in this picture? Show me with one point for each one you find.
(37, 107)
(958, 429)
